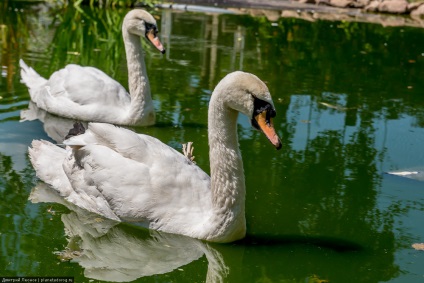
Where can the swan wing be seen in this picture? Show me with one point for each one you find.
(84, 93)
(86, 85)
(142, 179)
(48, 160)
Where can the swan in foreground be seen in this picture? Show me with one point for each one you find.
(135, 178)
(88, 94)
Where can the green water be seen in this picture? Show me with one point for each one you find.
(350, 107)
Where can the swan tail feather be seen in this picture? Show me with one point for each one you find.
(32, 113)
(27, 115)
(109, 135)
(47, 160)
(31, 79)
(188, 151)
(93, 204)
(43, 193)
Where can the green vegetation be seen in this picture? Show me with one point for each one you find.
(104, 3)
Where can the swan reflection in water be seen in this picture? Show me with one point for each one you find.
(108, 252)
(55, 127)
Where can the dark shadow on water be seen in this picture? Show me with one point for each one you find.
(162, 125)
(338, 245)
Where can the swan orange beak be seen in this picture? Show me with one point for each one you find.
(151, 35)
(267, 127)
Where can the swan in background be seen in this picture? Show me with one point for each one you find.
(88, 94)
(136, 178)
(109, 253)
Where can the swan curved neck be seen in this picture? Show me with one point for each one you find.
(227, 174)
(138, 82)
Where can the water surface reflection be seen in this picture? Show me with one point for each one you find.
(111, 252)
(115, 252)
(349, 108)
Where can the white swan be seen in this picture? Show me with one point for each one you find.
(88, 94)
(136, 178)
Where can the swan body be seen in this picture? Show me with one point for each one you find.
(88, 94)
(136, 178)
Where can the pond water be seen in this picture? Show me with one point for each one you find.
(350, 107)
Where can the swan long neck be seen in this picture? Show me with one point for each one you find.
(138, 82)
(227, 174)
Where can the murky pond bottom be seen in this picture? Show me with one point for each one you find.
(350, 103)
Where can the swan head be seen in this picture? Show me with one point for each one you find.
(249, 95)
(142, 23)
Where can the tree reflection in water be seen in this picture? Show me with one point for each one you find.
(348, 98)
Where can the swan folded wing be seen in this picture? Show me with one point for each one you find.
(30, 77)
(121, 140)
(86, 87)
(138, 147)
(49, 161)
(142, 179)
(146, 150)
(98, 84)
(97, 170)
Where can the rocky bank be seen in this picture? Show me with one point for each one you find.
(384, 12)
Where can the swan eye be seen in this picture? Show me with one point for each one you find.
(151, 28)
(260, 106)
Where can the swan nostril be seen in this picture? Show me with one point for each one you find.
(279, 146)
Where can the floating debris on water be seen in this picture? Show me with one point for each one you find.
(337, 107)
(68, 254)
(73, 53)
(415, 173)
(418, 246)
